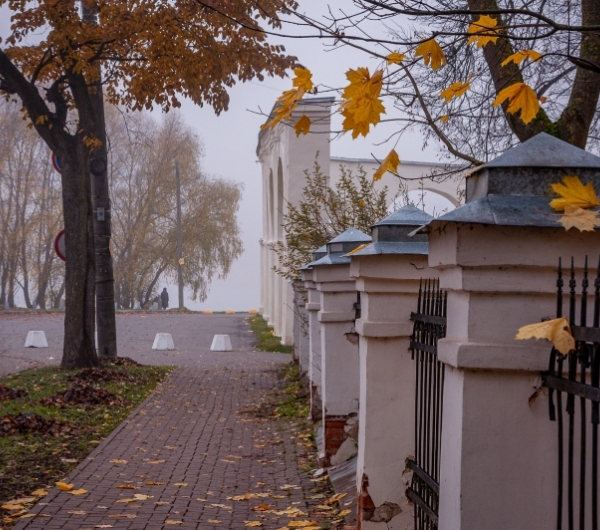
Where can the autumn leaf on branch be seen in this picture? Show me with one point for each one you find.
(303, 79)
(522, 98)
(455, 90)
(302, 126)
(483, 31)
(390, 163)
(584, 220)
(556, 330)
(572, 192)
(395, 58)
(361, 106)
(288, 101)
(520, 56)
(432, 54)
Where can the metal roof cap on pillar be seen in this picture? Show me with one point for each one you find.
(391, 234)
(515, 188)
(342, 244)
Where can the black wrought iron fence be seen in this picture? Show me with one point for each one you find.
(573, 380)
(429, 326)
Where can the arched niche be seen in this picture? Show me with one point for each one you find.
(280, 201)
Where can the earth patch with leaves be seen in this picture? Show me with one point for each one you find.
(43, 442)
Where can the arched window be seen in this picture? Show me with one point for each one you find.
(270, 208)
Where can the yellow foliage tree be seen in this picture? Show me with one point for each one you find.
(147, 54)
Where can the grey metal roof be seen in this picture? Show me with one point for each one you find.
(337, 258)
(544, 150)
(388, 247)
(407, 215)
(352, 235)
(504, 210)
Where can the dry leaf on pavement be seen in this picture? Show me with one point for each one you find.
(80, 491)
(63, 486)
(119, 462)
(40, 492)
(252, 523)
(173, 521)
(126, 487)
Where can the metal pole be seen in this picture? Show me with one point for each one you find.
(179, 242)
(105, 292)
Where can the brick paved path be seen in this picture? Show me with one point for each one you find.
(197, 429)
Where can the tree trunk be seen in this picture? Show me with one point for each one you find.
(78, 347)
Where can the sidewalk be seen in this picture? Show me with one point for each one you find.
(198, 441)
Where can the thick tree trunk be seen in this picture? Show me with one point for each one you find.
(78, 348)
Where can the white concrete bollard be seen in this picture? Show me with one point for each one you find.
(163, 341)
(221, 343)
(36, 339)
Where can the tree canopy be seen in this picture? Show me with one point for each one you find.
(475, 75)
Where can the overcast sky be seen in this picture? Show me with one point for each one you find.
(230, 141)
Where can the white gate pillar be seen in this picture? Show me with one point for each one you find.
(497, 257)
(388, 274)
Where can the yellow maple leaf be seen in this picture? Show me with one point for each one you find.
(336, 498)
(521, 55)
(521, 98)
(584, 220)
(304, 524)
(40, 492)
(395, 58)
(126, 487)
(390, 163)
(483, 31)
(252, 523)
(302, 126)
(12, 506)
(556, 330)
(303, 79)
(80, 491)
(173, 522)
(361, 106)
(432, 54)
(63, 486)
(285, 104)
(455, 90)
(444, 118)
(573, 193)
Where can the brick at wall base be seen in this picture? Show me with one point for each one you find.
(366, 507)
(335, 435)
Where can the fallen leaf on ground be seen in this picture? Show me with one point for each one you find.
(77, 512)
(252, 523)
(12, 506)
(126, 487)
(80, 491)
(288, 486)
(214, 521)
(336, 497)
(40, 493)
(24, 500)
(343, 513)
(63, 486)
(222, 506)
(261, 508)
(247, 496)
(583, 220)
(157, 462)
(180, 484)
(119, 462)
(162, 502)
(123, 516)
(103, 526)
(150, 483)
(172, 521)
(556, 330)
(280, 496)
(297, 524)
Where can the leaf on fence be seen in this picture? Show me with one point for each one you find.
(557, 330)
(583, 220)
(572, 192)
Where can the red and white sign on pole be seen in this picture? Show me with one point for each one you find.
(56, 163)
(59, 245)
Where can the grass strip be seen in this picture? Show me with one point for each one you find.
(267, 340)
(32, 461)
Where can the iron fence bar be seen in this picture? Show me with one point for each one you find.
(572, 387)
(416, 498)
(424, 476)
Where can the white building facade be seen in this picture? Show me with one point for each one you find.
(285, 158)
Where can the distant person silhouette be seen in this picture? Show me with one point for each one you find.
(164, 297)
